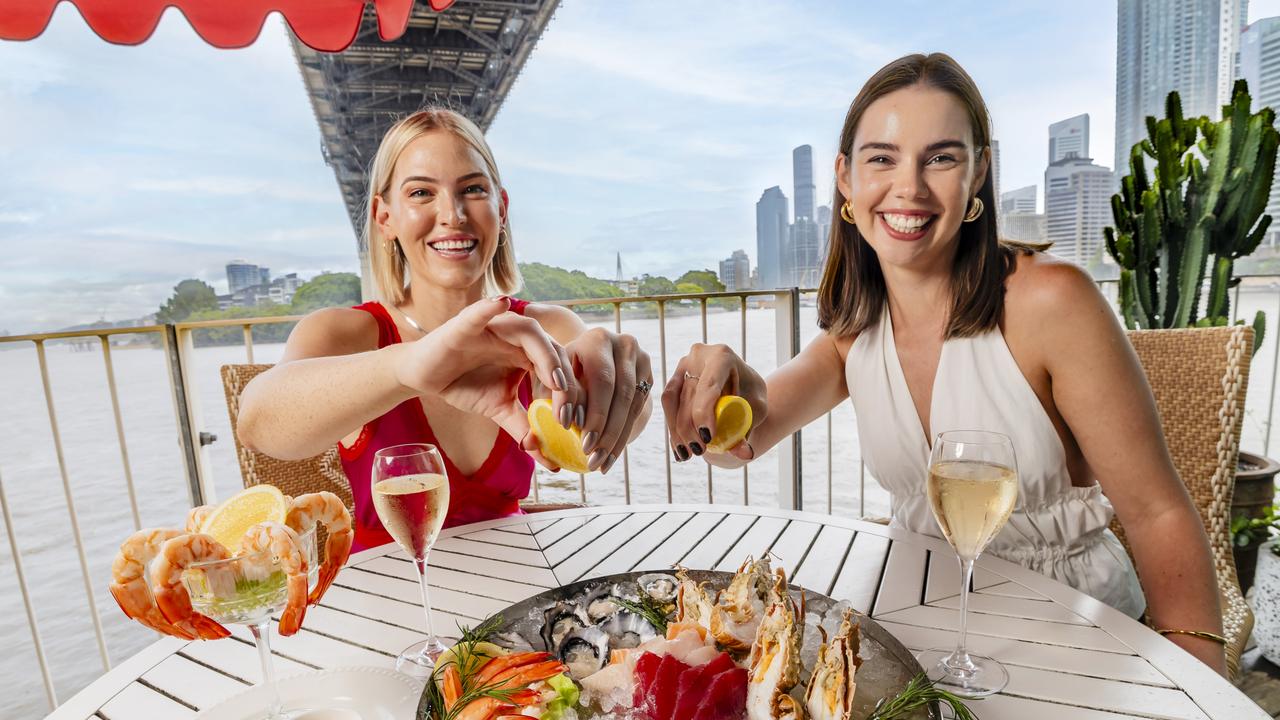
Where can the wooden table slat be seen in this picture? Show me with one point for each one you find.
(1015, 607)
(633, 553)
(792, 547)
(139, 702)
(822, 564)
(717, 543)
(1012, 589)
(575, 567)
(754, 543)
(1092, 638)
(903, 579)
(579, 537)
(507, 591)
(495, 536)
(674, 548)
(193, 683)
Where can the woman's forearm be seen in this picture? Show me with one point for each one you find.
(301, 408)
(1176, 569)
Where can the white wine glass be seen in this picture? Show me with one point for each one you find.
(410, 489)
(972, 487)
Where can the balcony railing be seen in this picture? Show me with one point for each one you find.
(788, 490)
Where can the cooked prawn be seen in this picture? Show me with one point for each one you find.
(129, 584)
(197, 515)
(176, 554)
(305, 511)
(285, 548)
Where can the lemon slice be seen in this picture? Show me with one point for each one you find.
(479, 654)
(232, 519)
(733, 422)
(560, 445)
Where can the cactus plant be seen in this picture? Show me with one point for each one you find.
(1202, 204)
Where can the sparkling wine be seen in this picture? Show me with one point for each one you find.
(412, 509)
(972, 501)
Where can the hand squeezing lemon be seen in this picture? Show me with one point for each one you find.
(733, 422)
(559, 444)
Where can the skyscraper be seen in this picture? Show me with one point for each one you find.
(803, 260)
(1163, 45)
(735, 271)
(1022, 200)
(1077, 207)
(1069, 137)
(771, 236)
(242, 274)
(995, 169)
(802, 180)
(1260, 67)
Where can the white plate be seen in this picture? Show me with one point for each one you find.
(372, 693)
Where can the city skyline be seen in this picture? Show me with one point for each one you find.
(197, 155)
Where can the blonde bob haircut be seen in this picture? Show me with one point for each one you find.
(386, 257)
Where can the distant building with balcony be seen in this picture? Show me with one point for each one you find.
(242, 274)
(1022, 200)
(735, 271)
(803, 265)
(275, 292)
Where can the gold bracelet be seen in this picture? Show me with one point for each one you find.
(1196, 633)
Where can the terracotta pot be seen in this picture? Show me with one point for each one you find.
(1254, 492)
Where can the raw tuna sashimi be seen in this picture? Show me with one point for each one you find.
(666, 686)
(726, 697)
(646, 673)
(694, 683)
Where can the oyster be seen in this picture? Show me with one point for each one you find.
(627, 630)
(561, 619)
(659, 586)
(584, 651)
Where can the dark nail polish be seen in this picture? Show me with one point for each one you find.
(682, 453)
(696, 448)
(705, 434)
(675, 452)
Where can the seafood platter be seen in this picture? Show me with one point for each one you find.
(677, 645)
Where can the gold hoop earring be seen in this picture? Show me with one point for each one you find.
(975, 210)
(503, 236)
(847, 213)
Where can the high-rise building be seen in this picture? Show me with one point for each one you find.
(1022, 200)
(735, 271)
(995, 169)
(242, 274)
(1077, 208)
(771, 236)
(803, 260)
(1260, 67)
(1163, 45)
(1024, 226)
(802, 180)
(264, 276)
(1069, 138)
(824, 235)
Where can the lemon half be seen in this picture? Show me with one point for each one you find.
(561, 445)
(232, 519)
(733, 422)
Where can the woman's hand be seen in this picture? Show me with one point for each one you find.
(615, 377)
(476, 362)
(689, 400)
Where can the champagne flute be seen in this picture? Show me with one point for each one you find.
(411, 494)
(972, 487)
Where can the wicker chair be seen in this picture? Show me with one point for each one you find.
(295, 477)
(1199, 377)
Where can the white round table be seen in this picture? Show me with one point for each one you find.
(1069, 656)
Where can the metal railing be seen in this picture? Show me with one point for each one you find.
(178, 343)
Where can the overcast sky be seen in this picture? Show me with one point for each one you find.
(649, 128)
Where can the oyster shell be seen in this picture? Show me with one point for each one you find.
(627, 630)
(584, 651)
(659, 586)
(561, 619)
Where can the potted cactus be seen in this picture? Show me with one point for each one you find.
(1194, 215)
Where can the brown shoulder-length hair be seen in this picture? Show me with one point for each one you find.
(852, 294)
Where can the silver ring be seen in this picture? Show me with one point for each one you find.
(690, 376)
(644, 386)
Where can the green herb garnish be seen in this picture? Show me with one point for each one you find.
(917, 694)
(647, 608)
(481, 632)
(465, 660)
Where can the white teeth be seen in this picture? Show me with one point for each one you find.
(454, 244)
(906, 223)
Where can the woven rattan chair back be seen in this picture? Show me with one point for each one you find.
(1199, 377)
(293, 477)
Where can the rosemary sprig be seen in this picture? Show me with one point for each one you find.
(481, 632)
(917, 694)
(464, 659)
(647, 608)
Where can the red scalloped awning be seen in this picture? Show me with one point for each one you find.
(325, 25)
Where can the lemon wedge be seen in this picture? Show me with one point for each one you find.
(733, 422)
(560, 445)
(232, 519)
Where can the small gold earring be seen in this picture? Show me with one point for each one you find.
(847, 213)
(975, 210)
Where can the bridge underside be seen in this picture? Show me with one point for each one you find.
(467, 57)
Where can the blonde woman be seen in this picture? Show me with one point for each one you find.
(396, 370)
(932, 324)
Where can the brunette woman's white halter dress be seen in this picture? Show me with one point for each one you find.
(1056, 529)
